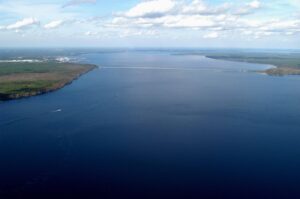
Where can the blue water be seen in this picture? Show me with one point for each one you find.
(155, 125)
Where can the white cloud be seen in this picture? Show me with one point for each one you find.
(194, 21)
(247, 32)
(169, 21)
(260, 34)
(199, 7)
(211, 35)
(249, 8)
(53, 24)
(254, 4)
(42, 10)
(77, 2)
(91, 33)
(23, 23)
(198, 15)
(183, 19)
(175, 14)
(282, 25)
(152, 8)
(258, 29)
(131, 33)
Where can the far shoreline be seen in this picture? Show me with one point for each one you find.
(272, 71)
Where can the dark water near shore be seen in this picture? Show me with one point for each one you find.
(154, 125)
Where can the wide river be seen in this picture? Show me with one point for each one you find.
(155, 125)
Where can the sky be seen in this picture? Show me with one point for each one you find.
(150, 23)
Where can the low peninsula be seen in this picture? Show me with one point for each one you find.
(19, 80)
(285, 63)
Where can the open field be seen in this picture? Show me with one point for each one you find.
(18, 80)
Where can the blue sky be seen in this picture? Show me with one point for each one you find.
(150, 23)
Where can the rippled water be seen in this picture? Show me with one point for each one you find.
(155, 125)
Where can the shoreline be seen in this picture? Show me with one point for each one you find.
(282, 71)
(272, 71)
(55, 87)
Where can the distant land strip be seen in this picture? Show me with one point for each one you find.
(288, 64)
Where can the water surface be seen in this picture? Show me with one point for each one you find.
(155, 125)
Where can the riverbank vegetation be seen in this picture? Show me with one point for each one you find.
(18, 80)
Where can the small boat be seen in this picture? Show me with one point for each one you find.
(58, 110)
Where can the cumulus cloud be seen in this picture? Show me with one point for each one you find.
(248, 8)
(194, 21)
(77, 2)
(172, 14)
(152, 8)
(258, 29)
(279, 26)
(160, 8)
(53, 24)
(200, 7)
(168, 14)
(170, 21)
(198, 15)
(249, 19)
(22, 24)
